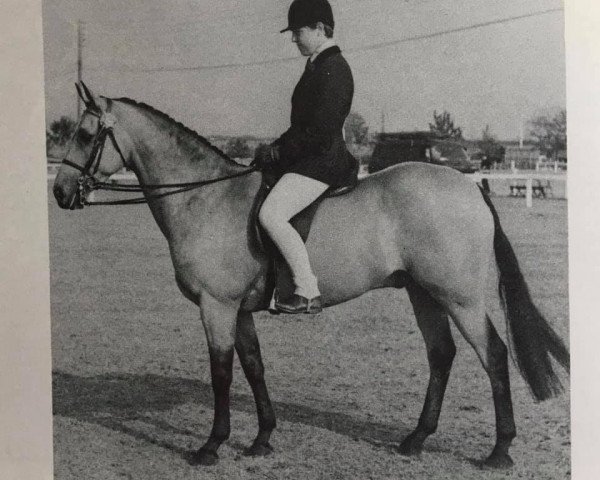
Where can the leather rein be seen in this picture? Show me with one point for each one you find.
(88, 183)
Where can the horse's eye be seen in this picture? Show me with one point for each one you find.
(84, 137)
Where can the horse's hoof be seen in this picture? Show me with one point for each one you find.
(203, 457)
(258, 450)
(498, 462)
(410, 448)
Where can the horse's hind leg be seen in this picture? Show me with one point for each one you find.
(433, 323)
(248, 349)
(479, 331)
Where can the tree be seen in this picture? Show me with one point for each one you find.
(237, 148)
(443, 125)
(356, 129)
(550, 134)
(492, 151)
(60, 132)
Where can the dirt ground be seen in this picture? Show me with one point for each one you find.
(131, 377)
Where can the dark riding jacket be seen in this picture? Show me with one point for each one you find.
(314, 146)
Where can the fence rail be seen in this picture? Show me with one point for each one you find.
(518, 177)
(521, 180)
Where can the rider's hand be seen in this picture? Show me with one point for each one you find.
(265, 155)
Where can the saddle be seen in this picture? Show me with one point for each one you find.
(279, 276)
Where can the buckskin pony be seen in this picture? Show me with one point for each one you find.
(425, 228)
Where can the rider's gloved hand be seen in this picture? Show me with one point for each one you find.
(266, 155)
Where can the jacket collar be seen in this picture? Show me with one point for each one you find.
(329, 42)
(328, 52)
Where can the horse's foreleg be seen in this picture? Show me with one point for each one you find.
(433, 323)
(248, 349)
(219, 322)
(479, 331)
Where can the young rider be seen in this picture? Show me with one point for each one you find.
(311, 156)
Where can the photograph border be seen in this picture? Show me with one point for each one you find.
(25, 370)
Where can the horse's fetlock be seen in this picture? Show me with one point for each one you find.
(427, 428)
(506, 436)
(267, 424)
(221, 434)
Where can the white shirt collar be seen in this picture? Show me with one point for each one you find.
(324, 46)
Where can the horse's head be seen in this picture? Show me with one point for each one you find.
(89, 154)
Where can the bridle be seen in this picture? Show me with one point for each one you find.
(87, 182)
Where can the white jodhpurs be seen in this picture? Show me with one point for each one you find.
(290, 195)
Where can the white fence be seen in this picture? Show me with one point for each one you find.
(523, 180)
(520, 181)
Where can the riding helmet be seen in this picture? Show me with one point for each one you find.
(307, 12)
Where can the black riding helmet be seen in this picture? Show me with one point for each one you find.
(307, 12)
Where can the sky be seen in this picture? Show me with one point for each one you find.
(224, 68)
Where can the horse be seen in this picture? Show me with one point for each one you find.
(422, 227)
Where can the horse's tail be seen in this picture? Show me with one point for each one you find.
(532, 339)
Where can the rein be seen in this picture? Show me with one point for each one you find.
(88, 183)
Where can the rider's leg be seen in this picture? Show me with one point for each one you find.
(290, 195)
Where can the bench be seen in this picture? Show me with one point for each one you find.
(538, 190)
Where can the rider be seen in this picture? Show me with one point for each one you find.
(311, 156)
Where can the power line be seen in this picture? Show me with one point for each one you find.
(213, 22)
(174, 37)
(224, 14)
(454, 30)
(204, 67)
(349, 50)
(52, 76)
(178, 27)
(227, 14)
(80, 44)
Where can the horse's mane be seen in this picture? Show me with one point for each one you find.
(174, 123)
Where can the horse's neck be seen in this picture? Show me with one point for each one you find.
(159, 159)
(165, 155)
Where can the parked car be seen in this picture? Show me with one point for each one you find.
(490, 158)
(393, 148)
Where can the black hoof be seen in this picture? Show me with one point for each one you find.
(410, 447)
(203, 457)
(498, 462)
(258, 450)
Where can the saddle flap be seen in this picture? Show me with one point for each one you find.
(278, 274)
(301, 222)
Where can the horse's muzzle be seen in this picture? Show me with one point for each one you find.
(63, 199)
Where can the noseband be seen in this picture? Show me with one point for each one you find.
(87, 182)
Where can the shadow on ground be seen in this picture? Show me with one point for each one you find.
(114, 401)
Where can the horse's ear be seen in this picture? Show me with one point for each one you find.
(91, 102)
(80, 93)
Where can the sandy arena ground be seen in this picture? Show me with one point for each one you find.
(131, 377)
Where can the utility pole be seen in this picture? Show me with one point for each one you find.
(382, 120)
(80, 34)
(521, 133)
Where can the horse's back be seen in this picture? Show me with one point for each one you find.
(418, 182)
(412, 190)
(411, 217)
